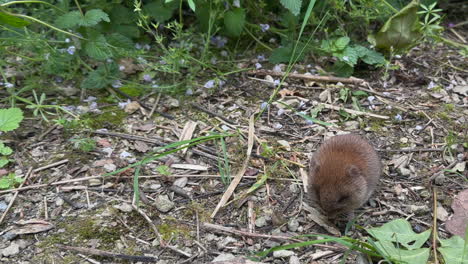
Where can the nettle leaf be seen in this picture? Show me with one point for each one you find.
(454, 250)
(101, 77)
(7, 19)
(368, 56)
(349, 56)
(234, 21)
(120, 41)
(97, 48)
(400, 231)
(5, 150)
(10, 119)
(341, 43)
(294, 6)
(284, 54)
(93, 17)
(69, 20)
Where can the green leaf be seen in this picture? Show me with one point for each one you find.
(160, 11)
(284, 54)
(400, 231)
(121, 15)
(7, 19)
(349, 56)
(294, 6)
(69, 20)
(454, 250)
(10, 119)
(93, 17)
(341, 43)
(234, 21)
(191, 5)
(401, 31)
(5, 150)
(342, 69)
(97, 48)
(100, 77)
(119, 40)
(415, 256)
(370, 57)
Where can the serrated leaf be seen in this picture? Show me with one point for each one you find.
(400, 231)
(454, 250)
(104, 75)
(284, 54)
(294, 6)
(118, 12)
(5, 150)
(370, 57)
(69, 20)
(120, 41)
(93, 17)
(342, 69)
(348, 56)
(341, 43)
(7, 19)
(97, 48)
(10, 119)
(234, 21)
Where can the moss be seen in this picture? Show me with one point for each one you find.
(111, 118)
(449, 107)
(172, 229)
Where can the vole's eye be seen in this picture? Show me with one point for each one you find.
(343, 199)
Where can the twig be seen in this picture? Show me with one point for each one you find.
(152, 225)
(248, 234)
(102, 253)
(15, 195)
(142, 176)
(168, 116)
(205, 109)
(240, 173)
(317, 78)
(353, 112)
(412, 150)
(55, 164)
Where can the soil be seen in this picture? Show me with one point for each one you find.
(70, 213)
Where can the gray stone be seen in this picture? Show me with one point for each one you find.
(163, 203)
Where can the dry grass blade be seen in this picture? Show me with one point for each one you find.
(238, 177)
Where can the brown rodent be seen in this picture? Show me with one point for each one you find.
(343, 173)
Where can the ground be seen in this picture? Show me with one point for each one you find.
(68, 210)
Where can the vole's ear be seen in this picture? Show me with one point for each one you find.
(313, 166)
(353, 171)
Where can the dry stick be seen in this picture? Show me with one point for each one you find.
(317, 78)
(412, 150)
(142, 176)
(15, 195)
(238, 177)
(248, 234)
(434, 228)
(55, 164)
(102, 253)
(354, 112)
(155, 230)
(204, 109)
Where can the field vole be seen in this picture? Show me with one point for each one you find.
(343, 173)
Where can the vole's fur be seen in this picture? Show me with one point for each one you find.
(343, 173)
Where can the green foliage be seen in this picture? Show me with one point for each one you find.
(104, 75)
(294, 6)
(10, 119)
(454, 250)
(348, 55)
(84, 144)
(164, 170)
(234, 21)
(11, 20)
(401, 32)
(9, 181)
